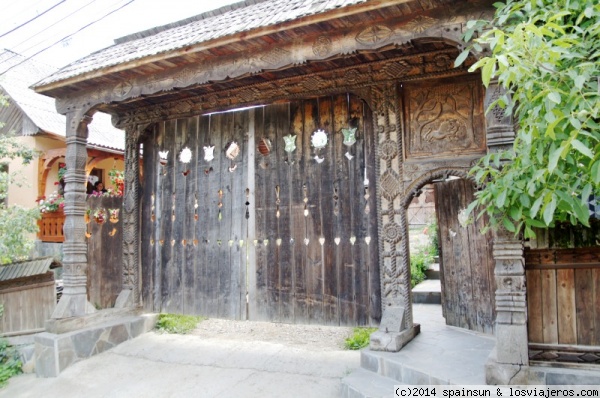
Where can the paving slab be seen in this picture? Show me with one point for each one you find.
(163, 365)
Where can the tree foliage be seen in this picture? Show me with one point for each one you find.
(16, 222)
(546, 55)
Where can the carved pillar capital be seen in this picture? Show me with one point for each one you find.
(500, 126)
(129, 296)
(74, 299)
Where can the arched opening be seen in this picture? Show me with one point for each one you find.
(464, 295)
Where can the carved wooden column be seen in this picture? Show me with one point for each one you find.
(396, 327)
(511, 354)
(499, 125)
(74, 298)
(129, 296)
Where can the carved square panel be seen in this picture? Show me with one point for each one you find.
(444, 117)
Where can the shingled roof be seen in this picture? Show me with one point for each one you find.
(225, 21)
(24, 269)
(42, 110)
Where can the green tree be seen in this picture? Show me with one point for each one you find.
(546, 54)
(16, 222)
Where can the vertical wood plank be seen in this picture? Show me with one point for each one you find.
(583, 298)
(370, 217)
(147, 221)
(218, 166)
(549, 308)
(179, 219)
(534, 306)
(189, 179)
(314, 227)
(297, 161)
(596, 306)
(327, 218)
(565, 293)
(203, 171)
(167, 214)
(283, 248)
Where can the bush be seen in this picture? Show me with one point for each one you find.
(359, 338)
(418, 264)
(176, 323)
(10, 363)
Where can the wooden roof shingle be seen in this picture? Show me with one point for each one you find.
(226, 21)
(24, 269)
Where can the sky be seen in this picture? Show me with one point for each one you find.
(61, 25)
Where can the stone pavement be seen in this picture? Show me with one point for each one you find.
(163, 365)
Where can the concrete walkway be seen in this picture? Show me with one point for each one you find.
(163, 365)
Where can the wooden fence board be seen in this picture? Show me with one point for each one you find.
(534, 305)
(565, 293)
(549, 309)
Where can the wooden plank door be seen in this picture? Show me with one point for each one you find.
(314, 251)
(193, 225)
(467, 267)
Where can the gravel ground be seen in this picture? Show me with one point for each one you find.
(308, 337)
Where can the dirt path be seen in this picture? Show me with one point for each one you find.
(308, 337)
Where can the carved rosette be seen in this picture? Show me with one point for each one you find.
(393, 242)
(130, 212)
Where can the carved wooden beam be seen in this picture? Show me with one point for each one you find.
(437, 23)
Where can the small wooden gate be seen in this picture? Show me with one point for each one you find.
(467, 271)
(269, 232)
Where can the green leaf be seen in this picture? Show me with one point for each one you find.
(461, 58)
(487, 71)
(554, 97)
(595, 172)
(553, 159)
(580, 146)
(549, 210)
(508, 225)
(500, 199)
(536, 207)
(579, 82)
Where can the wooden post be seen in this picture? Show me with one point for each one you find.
(74, 299)
(129, 296)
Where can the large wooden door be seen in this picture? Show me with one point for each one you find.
(467, 267)
(193, 226)
(285, 234)
(315, 232)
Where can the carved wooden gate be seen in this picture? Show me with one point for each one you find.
(467, 271)
(285, 223)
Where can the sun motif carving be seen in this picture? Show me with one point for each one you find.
(374, 34)
(322, 46)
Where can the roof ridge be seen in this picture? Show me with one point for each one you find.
(205, 15)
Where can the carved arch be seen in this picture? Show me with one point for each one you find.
(416, 185)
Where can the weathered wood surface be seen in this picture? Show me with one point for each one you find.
(315, 268)
(563, 291)
(467, 279)
(51, 227)
(27, 304)
(105, 253)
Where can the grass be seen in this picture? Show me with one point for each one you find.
(176, 323)
(359, 338)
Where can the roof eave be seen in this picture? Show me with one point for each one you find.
(47, 89)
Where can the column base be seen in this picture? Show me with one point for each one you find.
(72, 305)
(393, 341)
(125, 299)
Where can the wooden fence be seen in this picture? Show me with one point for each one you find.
(28, 302)
(51, 227)
(563, 290)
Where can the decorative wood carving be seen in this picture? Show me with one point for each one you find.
(438, 23)
(444, 119)
(334, 81)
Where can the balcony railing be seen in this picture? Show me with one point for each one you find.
(51, 227)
